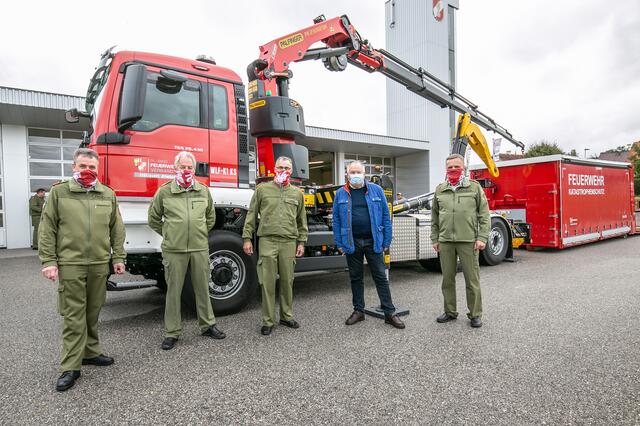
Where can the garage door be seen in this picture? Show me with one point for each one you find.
(50, 156)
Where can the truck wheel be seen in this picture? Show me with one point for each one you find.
(431, 265)
(232, 279)
(497, 244)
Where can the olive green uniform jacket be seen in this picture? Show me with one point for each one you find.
(179, 206)
(35, 206)
(81, 227)
(282, 213)
(461, 215)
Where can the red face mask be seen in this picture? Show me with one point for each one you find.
(86, 177)
(282, 177)
(184, 178)
(454, 176)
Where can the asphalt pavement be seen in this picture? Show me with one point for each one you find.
(560, 345)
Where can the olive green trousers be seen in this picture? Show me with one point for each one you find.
(175, 271)
(82, 290)
(35, 221)
(449, 252)
(277, 256)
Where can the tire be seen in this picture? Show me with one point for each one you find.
(233, 278)
(497, 244)
(431, 265)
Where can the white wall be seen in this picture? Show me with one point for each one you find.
(16, 186)
(412, 175)
(420, 40)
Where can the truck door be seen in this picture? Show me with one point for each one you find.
(228, 135)
(175, 119)
(543, 214)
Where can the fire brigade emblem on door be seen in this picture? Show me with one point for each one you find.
(140, 164)
(438, 10)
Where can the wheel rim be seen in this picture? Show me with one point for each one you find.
(226, 274)
(496, 241)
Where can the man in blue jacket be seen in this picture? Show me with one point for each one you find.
(362, 228)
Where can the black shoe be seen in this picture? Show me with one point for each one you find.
(169, 342)
(476, 322)
(34, 248)
(101, 360)
(445, 318)
(214, 332)
(291, 323)
(67, 380)
(355, 317)
(266, 330)
(394, 320)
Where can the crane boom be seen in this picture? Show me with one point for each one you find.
(269, 75)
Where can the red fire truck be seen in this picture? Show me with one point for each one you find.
(566, 200)
(144, 108)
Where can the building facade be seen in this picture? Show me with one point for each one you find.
(422, 33)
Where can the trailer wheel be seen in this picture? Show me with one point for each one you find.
(232, 279)
(497, 244)
(431, 265)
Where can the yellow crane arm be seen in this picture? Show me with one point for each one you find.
(471, 134)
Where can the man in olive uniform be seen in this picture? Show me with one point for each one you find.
(35, 210)
(459, 229)
(80, 232)
(182, 212)
(282, 232)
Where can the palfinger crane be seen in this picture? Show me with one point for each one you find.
(276, 119)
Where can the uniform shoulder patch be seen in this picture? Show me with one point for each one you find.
(167, 183)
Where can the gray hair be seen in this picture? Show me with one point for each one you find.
(84, 152)
(455, 156)
(356, 162)
(184, 154)
(283, 158)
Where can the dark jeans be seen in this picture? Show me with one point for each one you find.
(364, 247)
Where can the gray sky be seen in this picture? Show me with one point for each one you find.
(565, 71)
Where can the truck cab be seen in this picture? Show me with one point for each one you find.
(145, 108)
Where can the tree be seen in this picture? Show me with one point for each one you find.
(620, 149)
(573, 152)
(635, 160)
(543, 148)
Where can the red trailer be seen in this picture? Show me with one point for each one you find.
(566, 200)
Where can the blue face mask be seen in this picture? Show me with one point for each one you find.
(356, 179)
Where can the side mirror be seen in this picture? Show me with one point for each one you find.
(134, 91)
(73, 115)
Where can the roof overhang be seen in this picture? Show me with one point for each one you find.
(324, 139)
(39, 109)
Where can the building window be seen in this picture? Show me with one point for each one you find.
(320, 168)
(373, 165)
(50, 156)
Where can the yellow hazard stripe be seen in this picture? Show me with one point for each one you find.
(328, 197)
(319, 197)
